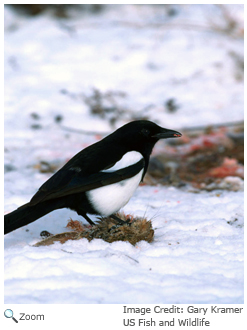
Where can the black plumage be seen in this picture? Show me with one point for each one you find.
(116, 164)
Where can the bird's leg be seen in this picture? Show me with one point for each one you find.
(82, 213)
(120, 221)
(88, 219)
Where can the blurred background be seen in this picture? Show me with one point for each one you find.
(74, 73)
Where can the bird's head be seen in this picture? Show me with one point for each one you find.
(141, 135)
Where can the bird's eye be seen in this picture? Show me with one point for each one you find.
(145, 131)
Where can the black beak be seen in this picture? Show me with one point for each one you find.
(167, 133)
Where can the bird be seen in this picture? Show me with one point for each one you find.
(99, 180)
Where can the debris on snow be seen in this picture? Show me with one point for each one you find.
(135, 230)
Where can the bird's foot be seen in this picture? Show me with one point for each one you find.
(120, 222)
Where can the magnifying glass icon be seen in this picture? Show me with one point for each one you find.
(9, 314)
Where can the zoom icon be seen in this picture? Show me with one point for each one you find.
(9, 314)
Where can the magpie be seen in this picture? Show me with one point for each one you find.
(98, 180)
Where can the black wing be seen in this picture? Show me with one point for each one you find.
(66, 182)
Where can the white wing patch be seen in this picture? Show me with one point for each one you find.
(110, 199)
(130, 158)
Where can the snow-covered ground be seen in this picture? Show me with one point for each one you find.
(148, 57)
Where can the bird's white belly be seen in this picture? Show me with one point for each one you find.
(110, 199)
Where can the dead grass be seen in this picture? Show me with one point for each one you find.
(109, 230)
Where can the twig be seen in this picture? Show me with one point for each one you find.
(202, 128)
(159, 26)
(195, 128)
(81, 131)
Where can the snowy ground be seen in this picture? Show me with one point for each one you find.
(197, 253)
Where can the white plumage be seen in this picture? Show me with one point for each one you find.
(110, 199)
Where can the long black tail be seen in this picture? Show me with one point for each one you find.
(27, 214)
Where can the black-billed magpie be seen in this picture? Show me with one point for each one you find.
(98, 180)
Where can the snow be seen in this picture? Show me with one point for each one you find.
(50, 66)
(196, 257)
